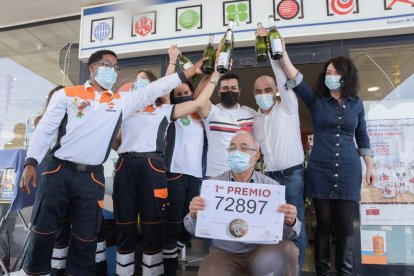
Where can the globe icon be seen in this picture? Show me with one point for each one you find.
(102, 31)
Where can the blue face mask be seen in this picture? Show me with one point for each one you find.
(333, 82)
(238, 161)
(265, 101)
(140, 83)
(106, 77)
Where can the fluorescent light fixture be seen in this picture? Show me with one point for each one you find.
(373, 89)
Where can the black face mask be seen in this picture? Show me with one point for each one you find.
(182, 99)
(229, 99)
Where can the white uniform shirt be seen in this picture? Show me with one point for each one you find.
(144, 131)
(221, 125)
(91, 119)
(279, 132)
(186, 146)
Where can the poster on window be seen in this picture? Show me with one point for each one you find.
(7, 182)
(390, 201)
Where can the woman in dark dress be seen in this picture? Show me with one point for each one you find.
(334, 170)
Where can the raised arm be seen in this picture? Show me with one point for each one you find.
(141, 97)
(201, 103)
(289, 102)
(173, 53)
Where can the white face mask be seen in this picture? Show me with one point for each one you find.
(333, 82)
(140, 82)
(106, 77)
(265, 101)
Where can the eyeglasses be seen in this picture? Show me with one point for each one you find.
(242, 149)
(108, 65)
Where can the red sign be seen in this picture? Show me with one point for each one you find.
(143, 26)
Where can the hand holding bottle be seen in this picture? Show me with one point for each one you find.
(173, 53)
(195, 69)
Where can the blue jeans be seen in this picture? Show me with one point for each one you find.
(294, 181)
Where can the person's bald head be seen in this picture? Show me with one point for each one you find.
(244, 139)
(265, 85)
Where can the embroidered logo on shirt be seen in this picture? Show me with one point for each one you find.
(110, 106)
(79, 107)
(185, 121)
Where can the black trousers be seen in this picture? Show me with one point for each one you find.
(60, 250)
(181, 189)
(140, 187)
(63, 189)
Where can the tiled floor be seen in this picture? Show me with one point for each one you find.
(195, 253)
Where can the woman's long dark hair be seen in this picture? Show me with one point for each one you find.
(172, 100)
(349, 79)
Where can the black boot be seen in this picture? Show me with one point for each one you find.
(344, 256)
(322, 255)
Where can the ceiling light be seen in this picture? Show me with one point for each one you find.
(373, 89)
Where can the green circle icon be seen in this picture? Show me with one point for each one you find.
(189, 19)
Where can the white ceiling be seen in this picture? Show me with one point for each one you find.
(18, 12)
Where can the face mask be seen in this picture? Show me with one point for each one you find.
(229, 99)
(182, 99)
(265, 101)
(106, 77)
(140, 83)
(238, 161)
(333, 82)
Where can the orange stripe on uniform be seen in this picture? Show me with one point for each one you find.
(80, 92)
(161, 193)
(195, 116)
(149, 108)
(96, 180)
(54, 171)
(154, 168)
(101, 203)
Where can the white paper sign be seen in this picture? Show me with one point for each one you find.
(244, 212)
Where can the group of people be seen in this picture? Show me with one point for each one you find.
(158, 128)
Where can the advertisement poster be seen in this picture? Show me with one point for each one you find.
(387, 207)
(390, 201)
(7, 179)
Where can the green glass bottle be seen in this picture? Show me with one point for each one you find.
(261, 46)
(275, 42)
(227, 44)
(210, 52)
(184, 63)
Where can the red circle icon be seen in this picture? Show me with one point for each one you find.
(287, 9)
(342, 7)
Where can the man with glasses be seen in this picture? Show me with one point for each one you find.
(85, 119)
(223, 120)
(238, 258)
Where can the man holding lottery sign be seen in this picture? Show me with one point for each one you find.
(246, 206)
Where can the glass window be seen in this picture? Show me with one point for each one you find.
(387, 82)
(33, 60)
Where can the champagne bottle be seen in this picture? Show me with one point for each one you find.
(276, 49)
(227, 43)
(261, 46)
(184, 63)
(210, 52)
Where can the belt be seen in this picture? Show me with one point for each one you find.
(286, 172)
(79, 167)
(155, 155)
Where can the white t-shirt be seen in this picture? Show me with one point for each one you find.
(221, 125)
(185, 142)
(144, 131)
